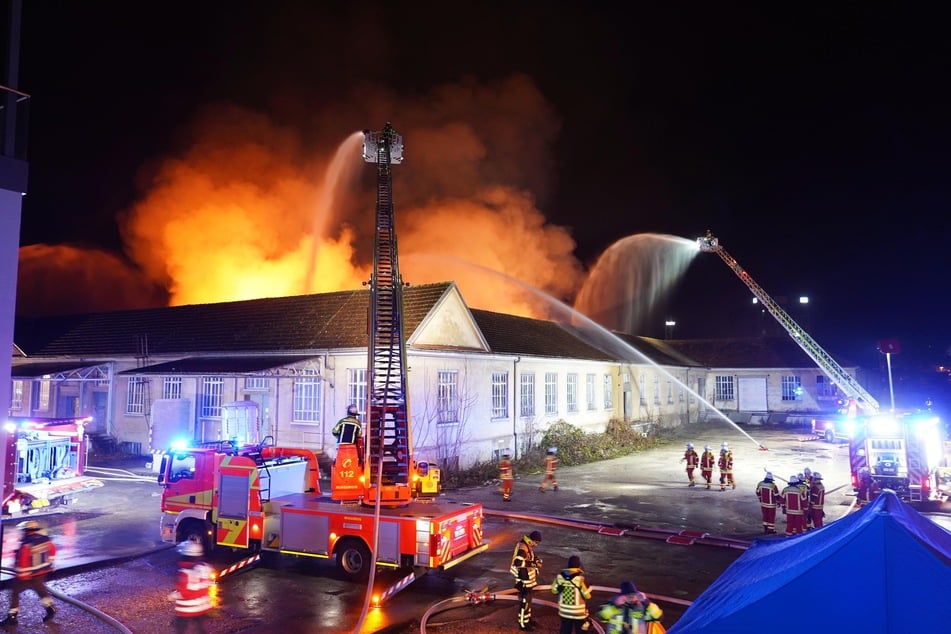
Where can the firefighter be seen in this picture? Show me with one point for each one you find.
(349, 431)
(804, 486)
(525, 568)
(794, 507)
(707, 462)
(769, 496)
(551, 463)
(193, 583)
(33, 561)
(506, 476)
(725, 463)
(867, 489)
(629, 611)
(572, 593)
(692, 459)
(817, 499)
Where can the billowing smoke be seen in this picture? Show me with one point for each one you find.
(253, 206)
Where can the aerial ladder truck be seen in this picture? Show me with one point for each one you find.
(845, 382)
(382, 510)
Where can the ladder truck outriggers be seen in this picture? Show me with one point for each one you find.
(902, 452)
(382, 510)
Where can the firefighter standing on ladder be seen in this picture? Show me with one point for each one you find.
(707, 462)
(349, 431)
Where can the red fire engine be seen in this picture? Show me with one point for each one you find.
(266, 498)
(45, 464)
(901, 452)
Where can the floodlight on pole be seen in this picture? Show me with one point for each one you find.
(669, 328)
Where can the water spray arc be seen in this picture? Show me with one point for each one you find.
(595, 334)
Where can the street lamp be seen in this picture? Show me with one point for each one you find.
(669, 328)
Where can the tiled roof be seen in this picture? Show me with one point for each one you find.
(31, 370)
(509, 334)
(298, 323)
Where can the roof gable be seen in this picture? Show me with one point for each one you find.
(449, 324)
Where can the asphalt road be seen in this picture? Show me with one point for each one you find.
(119, 523)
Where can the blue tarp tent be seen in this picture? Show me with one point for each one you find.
(883, 569)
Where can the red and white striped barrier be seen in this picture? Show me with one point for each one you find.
(239, 565)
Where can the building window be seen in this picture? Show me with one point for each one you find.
(792, 388)
(16, 396)
(500, 394)
(551, 392)
(724, 388)
(683, 382)
(824, 387)
(670, 391)
(572, 392)
(608, 392)
(135, 399)
(357, 388)
(526, 403)
(642, 387)
(211, 388)
(172, 387)
(257, 384)
(307, 396)
(447, 404)
(590, 389)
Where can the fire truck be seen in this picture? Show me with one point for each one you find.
(844, 381)
(44, 465)
(383, 508)
(899, 451)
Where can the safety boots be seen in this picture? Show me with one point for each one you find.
(50, 611)
(11, 619)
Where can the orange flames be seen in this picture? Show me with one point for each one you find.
(247, 211)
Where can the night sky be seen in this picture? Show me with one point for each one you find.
(813, 142)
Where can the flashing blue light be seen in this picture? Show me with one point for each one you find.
(180, 444)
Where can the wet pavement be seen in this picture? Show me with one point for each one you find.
(647, 489)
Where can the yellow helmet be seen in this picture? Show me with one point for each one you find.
(29, 525)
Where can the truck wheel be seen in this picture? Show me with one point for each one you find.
(353, 559)
(830, 437)
(194, 531)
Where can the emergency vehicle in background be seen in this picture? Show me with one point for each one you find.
(251, 495)
(45, 464)
(903, 452)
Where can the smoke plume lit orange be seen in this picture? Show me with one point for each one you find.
(253, 208)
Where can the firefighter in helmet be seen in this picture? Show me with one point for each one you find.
(192, 595)
(506, 476)
(725, 463)
(794, 503)
(707, 462)
(817, 499)
(692, 458)
(349, 431)
(551, 463)
(33, 561)
(525, 568)
(769, 497)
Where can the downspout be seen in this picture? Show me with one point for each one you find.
(514, 406)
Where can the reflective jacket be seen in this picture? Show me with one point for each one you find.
(726, 461)
(707, 461)
(347, 430)
(768, 493)
(692, 459)
(505, 469)
(817, 495)
(572, 592)
(551, 463)
(794, 500)
(524, 564)
(629, 613)
(193, 589)
(35, 556)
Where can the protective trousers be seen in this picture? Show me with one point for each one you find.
(524, 606)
